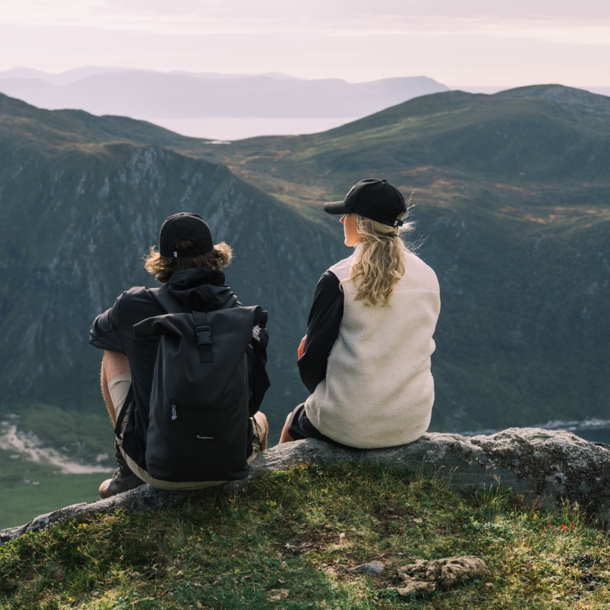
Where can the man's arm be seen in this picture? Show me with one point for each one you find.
(322, 330)
(106, 334)
(105, 331)
(113, 365)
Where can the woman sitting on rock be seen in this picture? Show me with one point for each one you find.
(366, 356)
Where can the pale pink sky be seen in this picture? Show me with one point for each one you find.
(457, 42)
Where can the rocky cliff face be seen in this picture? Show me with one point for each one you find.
(74, 227)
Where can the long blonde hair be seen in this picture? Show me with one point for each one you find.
(381, 262)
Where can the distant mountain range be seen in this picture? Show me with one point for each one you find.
(511, 195)
(69, 76)
(157, 95)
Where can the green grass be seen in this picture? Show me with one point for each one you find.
(300, 531)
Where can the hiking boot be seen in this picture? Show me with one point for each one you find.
(122, 480)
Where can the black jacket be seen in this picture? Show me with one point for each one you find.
(322, 330)
(198, 289)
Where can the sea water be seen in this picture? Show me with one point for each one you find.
(596, 435)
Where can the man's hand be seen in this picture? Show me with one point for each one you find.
(301, 347)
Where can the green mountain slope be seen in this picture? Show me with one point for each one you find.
(512, 200)
(36, 129)
(547, 135)
(76, 217)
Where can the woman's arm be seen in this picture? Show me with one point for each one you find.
(322, 330)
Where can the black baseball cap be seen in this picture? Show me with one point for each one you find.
(185, 225)
(374, 199)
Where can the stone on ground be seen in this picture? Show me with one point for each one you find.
(426, 575)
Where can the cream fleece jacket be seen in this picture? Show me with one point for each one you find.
(379, 390)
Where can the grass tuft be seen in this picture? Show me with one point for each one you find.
(289, 540)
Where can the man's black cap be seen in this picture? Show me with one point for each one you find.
(374, 199)
(185, 225)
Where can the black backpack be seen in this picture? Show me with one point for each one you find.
(198, 419)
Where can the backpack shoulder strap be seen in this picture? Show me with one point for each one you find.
(166, 300)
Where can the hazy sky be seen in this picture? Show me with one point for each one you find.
(458, 42)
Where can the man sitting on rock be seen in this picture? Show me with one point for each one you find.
(189, 265)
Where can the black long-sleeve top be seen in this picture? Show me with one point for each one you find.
(322, 330)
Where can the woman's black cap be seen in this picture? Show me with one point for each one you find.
(181, 226)
(374, 199)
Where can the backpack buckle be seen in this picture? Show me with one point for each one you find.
(204, 343)
(204, 335)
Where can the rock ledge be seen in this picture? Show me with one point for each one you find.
(543, 466)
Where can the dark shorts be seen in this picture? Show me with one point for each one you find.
(300, 427)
